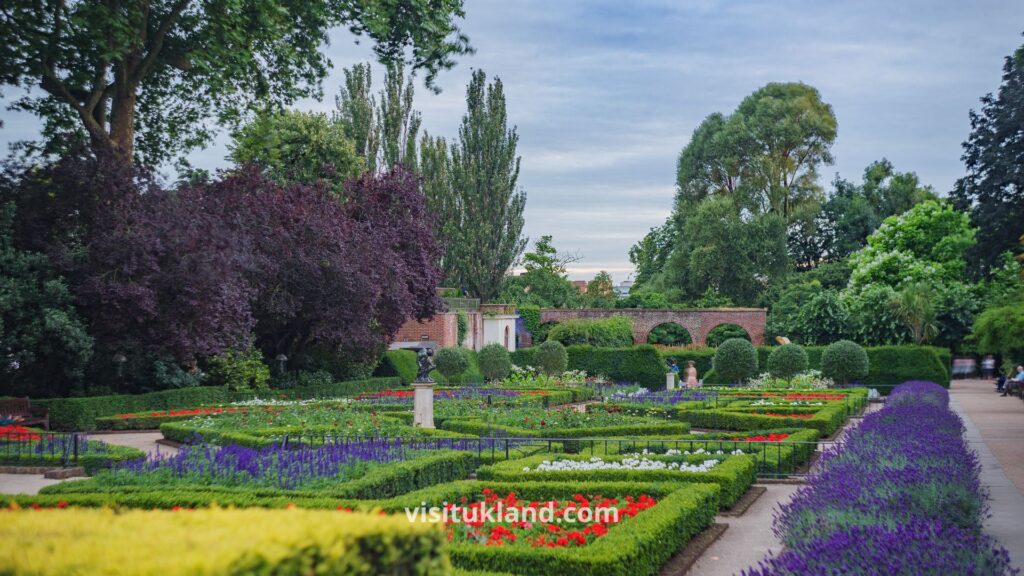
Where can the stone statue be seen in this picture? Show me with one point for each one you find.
(424, 359)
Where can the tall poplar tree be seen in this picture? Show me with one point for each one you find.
(485, 233)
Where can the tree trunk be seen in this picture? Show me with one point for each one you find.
(122, 108)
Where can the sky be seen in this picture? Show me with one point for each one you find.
(605, 94)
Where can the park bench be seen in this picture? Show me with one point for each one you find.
(21, 411)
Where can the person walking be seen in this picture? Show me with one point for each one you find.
(691, 375)
(988, 366)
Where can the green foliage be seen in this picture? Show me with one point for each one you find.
(669, 334)
(601, 291)
(294, 146)
(925, 244)
(787, 361)
(80, 413)
(736, 360)
(46, 345)
(551, 357)
(462, 326)
(650, 254)
(495, 362)
(171, 71)
(479, 182)
(643, 299)
(723, 332)
(873, 319)
(531, 317)
(993, 188)
(400, 363)
(1001, 330)
(913, 306)
(720, 250)
(615, 331)
(844, 362)
(826, 420)
(240, 371)
(890, 365)
(451, 362)
(544, 282)
(785, 309)
(822, 320)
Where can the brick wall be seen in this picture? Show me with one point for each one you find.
(697, 321)
(442, 329)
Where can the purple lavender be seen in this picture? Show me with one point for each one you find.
(901, 496)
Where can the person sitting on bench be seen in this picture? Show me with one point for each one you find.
(1016, 384)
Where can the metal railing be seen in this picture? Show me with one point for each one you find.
(781, 459)
(41, 448)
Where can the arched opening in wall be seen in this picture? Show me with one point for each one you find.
(723, 332)
(669, 334)
(541, 334)
(508, 337)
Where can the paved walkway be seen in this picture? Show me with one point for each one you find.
(749, 538)
(995, 430)
(32, 483)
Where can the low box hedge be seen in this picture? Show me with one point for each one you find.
(826, 420)
(185, 432)
(215, 542)
(79, 414)
(640, 364)
(734, 474)
(638, 546)
(385, 481)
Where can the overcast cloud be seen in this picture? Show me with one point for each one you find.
(606, 93)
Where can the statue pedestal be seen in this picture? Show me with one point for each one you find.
(423, 404)
(670, 381)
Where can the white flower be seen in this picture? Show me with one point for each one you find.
(633, 462)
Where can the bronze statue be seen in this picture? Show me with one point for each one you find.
(424, 359)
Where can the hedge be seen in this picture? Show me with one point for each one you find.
(81, 413)
(642, 364)
(734, 474)
(264, 437)
(393, 479)
(638, 546)
(402, 364)
(889, 365)
(217, 542)
(825, 420)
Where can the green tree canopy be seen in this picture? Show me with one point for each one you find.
(146, 78)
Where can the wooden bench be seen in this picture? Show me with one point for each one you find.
(23, 413)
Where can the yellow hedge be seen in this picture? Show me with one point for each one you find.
(216, 541)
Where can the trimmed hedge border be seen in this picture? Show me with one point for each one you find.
(92, 462)
(79, 414)
(734, 474)
(265, 437)
(639, 546)
(484, 429)
(641, 364)
(825, 420)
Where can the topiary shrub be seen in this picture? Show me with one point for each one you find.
(240, 371)
(613, 332)
(451, 362)
(495, 362)
(736, 360)
(844, 362)
(551, 358)
(787, 361)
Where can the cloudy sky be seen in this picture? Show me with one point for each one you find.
(606, 93)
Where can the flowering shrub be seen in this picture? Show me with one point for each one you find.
(793, 415)
(902, 496)
(183, 412)
(764, 438)
(807, 380)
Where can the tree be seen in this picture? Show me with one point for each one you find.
(822, 320)
(543, 282)
(384, 128)
(483, 176)
(651, 252)
(1001, 330)
(601, 291)
(913, 306)
(293, 146)
(46, 347)
(143, 79)
(719, 250)
(925, 243)
(873, 319)
(993, 189)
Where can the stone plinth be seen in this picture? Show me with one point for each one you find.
(670, 381)
(423, 404)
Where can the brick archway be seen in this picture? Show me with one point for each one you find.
(697, 321)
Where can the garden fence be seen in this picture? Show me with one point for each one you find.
(41, 448)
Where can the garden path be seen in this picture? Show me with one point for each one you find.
(23, 483)
(145, 441)
(995, 430)
(749, 538)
